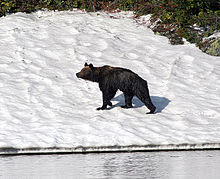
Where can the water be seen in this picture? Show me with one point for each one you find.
(164, 165)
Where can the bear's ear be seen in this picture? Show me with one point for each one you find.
(91, 66)
(86, 64)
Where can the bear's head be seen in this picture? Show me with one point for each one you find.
(87, 73)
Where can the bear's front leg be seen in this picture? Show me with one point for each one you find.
(104, 106)
(106, 98)
(101, 108)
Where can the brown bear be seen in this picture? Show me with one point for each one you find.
(110, 79)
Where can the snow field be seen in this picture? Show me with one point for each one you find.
(43, 104)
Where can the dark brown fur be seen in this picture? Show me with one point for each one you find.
(111, 79)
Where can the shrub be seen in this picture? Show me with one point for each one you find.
(195, 18)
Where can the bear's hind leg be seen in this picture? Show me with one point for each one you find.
(128, 100)
(145, 98)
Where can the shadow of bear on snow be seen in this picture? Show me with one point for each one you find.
(160, 102)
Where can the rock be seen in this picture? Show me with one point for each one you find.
(193, 34)
(168, 30)
(211, 46)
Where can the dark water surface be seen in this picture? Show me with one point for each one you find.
(175, 165)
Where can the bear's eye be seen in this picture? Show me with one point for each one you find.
(85, 71)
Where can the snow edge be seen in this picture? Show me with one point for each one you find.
(108, 149)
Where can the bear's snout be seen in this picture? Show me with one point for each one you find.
(77, 75)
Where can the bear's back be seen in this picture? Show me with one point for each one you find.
(109, 69)
(118, 77)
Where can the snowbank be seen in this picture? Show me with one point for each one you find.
(44, 105)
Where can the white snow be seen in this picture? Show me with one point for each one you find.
(43, 104)
(215, 35)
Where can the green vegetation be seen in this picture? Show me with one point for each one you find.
(190, 19)
(12, 6)
(194, 19)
